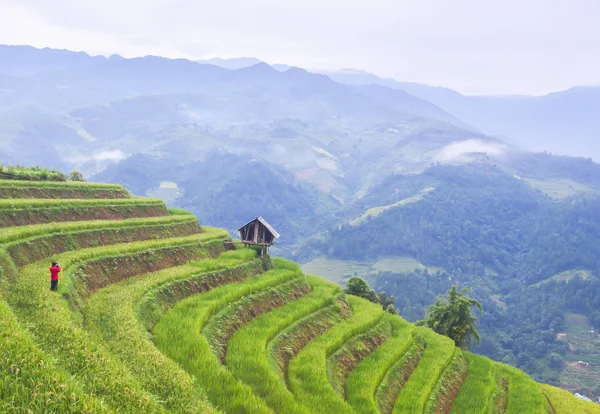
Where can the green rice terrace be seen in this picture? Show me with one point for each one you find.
(156, 314)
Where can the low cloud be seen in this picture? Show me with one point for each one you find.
(102, 156)
(459, 151)
(114, 155)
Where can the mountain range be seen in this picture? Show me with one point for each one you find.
(563, 122)
(411, 186)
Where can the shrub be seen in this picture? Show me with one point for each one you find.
(75, 176)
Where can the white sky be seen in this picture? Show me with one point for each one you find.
(474, 46)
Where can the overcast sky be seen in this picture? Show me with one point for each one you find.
(474, 46)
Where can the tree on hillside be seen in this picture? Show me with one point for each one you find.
(76, 176)
(451, 316)
(358, 287)
(387, 303)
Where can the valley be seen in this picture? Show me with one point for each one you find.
(388, 182)
(160, 314)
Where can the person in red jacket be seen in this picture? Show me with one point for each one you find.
(54, 271)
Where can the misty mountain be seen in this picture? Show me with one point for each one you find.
(231, 64)
(563, 122)
(19, 61)
(352, 170)
(239, 63)
(102, 107)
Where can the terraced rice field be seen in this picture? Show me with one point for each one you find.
(155, 314)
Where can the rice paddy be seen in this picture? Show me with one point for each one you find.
(155, 313)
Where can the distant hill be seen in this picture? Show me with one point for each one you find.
(232, 64)
(239, 63)
(344, 171)
(562, 122)
(87, 114)
(22, 61)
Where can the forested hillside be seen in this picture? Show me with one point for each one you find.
(364, 179)
(530, 259)
(151, 312)
(562, 122)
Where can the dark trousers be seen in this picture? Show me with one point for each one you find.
(53, 285)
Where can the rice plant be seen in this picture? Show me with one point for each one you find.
(28, 212)
(524, 394)
(342, 362)
(247, 356)
(562, 402)
(60, 190)
(19, 172)
(308, 377)
(25, 204)
(22, 233)
(178, 335)
(148, 319)
(368, 375)
(51, 322)
(30, 380)
(476, 392)
(110, 316)
(415, 393)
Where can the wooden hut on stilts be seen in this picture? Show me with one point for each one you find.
(258, 233)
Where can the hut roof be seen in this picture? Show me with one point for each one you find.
(264, 222)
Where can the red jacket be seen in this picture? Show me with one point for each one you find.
(54, 270)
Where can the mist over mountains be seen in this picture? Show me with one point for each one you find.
(562, 122)
(335, 136)
(412, 186)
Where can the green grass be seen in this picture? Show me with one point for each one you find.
(60, 190)
(415, 393)
(476, 392)
(18, 172)
(157, 301)
(110, 316)
(178, 335)
(563, 402)
(138, 327)
(179, 212)
(336, 270)
(83, 256)
(291, 340)
(26, 204)
(27, 212)
(247, 356)
(53, 326)
(441, 398)
(20, 233)
(308, 377)
(59, 185)
(222, 326)
(582, 379)
(397, 375)
(95, 274)
(32, 249)
(362, 383)
(576, 322)
(30, 380)
(342, 362)
(524, 394)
